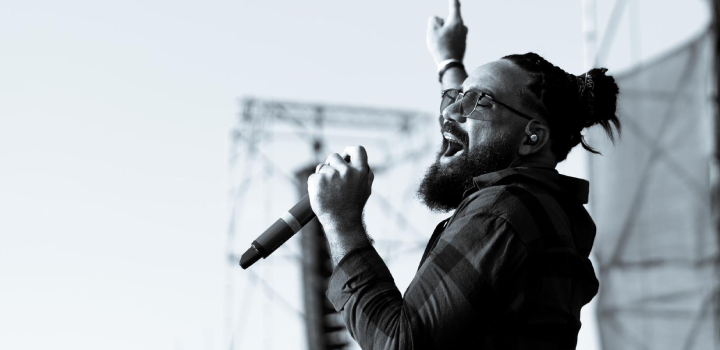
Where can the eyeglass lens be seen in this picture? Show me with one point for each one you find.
(467, 105)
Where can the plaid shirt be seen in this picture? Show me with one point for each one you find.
(508, 270)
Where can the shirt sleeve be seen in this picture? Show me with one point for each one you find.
(472, 280)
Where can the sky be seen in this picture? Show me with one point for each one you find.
(114, 137)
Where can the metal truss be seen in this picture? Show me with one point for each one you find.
(309, 130)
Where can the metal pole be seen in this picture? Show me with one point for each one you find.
(716, 161)
(589, 30)
(229, 340)
(589, 34)
(610, 31)
(324, 326)
(311, 242)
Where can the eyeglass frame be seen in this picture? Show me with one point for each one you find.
(477, 102)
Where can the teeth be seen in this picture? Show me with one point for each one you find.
(452, 138)
(455, 146)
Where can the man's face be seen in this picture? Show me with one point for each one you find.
(484, 143)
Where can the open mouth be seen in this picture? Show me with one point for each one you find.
(454, 147)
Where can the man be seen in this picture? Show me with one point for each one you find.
(509, 269)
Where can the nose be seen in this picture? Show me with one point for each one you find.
(452, 113)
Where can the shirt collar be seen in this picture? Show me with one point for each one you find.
(577, 188)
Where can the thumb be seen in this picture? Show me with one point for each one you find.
(454, 11)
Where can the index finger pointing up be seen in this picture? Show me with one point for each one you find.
(454, 11)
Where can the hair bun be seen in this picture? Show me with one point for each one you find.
(570, 103)
(598, 100)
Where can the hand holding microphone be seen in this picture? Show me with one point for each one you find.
(340, 188)
(337, 193)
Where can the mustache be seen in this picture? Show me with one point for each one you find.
(453, 129)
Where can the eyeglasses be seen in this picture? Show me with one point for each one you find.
(469, 101)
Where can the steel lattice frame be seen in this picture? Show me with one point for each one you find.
(625, 189)
(399, 139)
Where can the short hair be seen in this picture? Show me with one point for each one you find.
(572, 103)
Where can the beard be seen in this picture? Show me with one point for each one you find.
(443, 186)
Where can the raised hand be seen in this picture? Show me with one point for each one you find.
(446, 38)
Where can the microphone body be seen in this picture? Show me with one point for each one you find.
(279, 232)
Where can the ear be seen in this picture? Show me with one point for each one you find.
(536, 137)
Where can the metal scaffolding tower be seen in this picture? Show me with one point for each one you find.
(657, 246)
(275, 145)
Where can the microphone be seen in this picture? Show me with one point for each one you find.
(279, 232)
